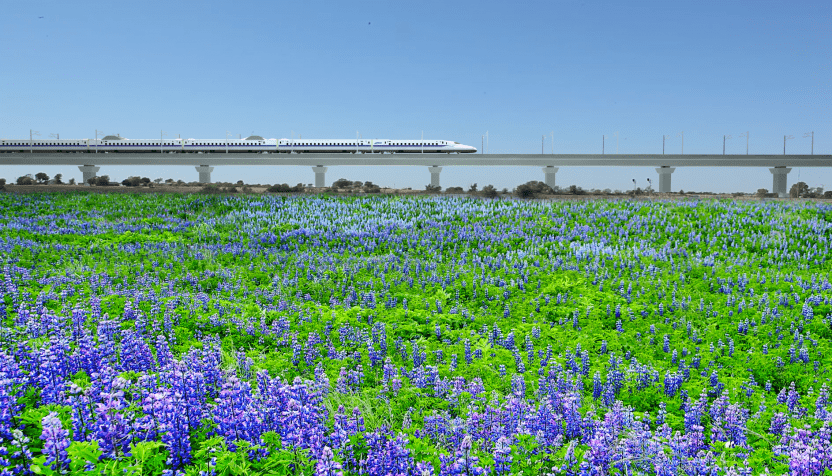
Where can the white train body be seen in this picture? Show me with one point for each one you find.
(253, 144)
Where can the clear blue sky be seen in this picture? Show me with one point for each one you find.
(392, 69)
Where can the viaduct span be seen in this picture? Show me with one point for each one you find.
(665, 165)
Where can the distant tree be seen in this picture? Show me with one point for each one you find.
(489, 191)
(576, 190)
(606, 191)
(370, 187)
(524, 191)
(210, 188)
(157, 180)
(25, 180)
(101, 181)
(761, 192)
(472, 188)
(342, 183)
(800, 189)
(41, 177)
(240, 182)
(72, 181)
(2, 184)
(533, 189)
(145, 181)
(827, 194)
(170, 180)
(132, 181)
(433, 188)
(285, 188)
(58, 178)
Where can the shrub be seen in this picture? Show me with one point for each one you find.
(472, 188)
(2, 184)
(101, 181)
(532, 189)
(72, 181)
(279, 188)
(576, 190)
(454, 190)
(58, 178)
(25, 180)
(827, 194)
(342, 183)
(132, 182)
(433, 188)
(800, 189)
(285, 188)
(489, 191)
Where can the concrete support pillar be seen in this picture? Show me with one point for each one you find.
(88, 171)
(434, 175)
(549, 174)
(320, 176)
(779, 177)
(204, 173)
(664, 178)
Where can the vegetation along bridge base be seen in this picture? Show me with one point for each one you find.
(89, 163)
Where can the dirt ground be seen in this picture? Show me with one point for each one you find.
(187, 189)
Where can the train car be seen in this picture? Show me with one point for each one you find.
(373, 146)
(18, 145)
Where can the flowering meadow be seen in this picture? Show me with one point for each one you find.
(208, 335)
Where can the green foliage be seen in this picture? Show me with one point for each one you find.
(655, 259)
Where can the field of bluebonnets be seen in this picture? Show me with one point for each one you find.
(188, 334)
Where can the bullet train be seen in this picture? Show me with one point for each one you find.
(251, 144)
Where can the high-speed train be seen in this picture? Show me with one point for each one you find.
(255, 144)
